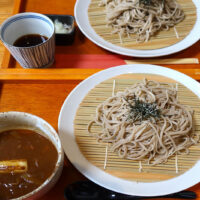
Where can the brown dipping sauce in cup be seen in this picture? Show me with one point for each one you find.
(30, 40)
(40, 155)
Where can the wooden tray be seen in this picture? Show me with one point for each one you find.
(43, 91)
(66, 67)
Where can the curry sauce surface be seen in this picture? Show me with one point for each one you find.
(40, 154)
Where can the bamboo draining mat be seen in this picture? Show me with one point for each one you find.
(123, 168)
(97, 18)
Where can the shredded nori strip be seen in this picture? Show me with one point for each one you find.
(141, 110)
(148, 2)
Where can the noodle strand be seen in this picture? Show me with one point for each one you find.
(132, 17)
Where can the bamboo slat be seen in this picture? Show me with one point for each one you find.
(124, 168)
(97, 18)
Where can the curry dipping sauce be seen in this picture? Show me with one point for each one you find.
(27, 159)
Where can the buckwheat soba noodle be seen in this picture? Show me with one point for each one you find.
(145, 122)
(142, 17)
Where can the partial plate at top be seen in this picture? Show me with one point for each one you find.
(82, 19)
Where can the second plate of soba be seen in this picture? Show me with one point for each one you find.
(132, 130)
(141, 28)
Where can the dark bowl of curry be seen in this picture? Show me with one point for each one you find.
(31, 157)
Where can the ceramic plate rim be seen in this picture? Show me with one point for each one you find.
(81, 16)
(71, 149)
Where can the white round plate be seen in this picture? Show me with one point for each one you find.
(81, 15)
(71, 149)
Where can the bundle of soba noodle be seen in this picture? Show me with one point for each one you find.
(145, 122)
(141, 17)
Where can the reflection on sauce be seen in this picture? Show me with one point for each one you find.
(40, 154)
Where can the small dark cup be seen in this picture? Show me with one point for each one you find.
(64, 38)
